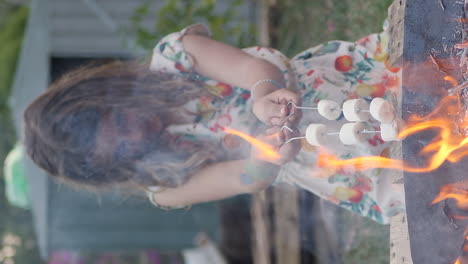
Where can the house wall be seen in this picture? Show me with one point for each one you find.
(87, 28)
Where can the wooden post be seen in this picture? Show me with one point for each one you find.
(260, 220)
(263, 34)
(261, 226)
(284, 200)
(287, 237)
(396, 15)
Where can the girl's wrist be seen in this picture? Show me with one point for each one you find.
(265, 86)
(262, 91)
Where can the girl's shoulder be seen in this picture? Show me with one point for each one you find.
(169, 54)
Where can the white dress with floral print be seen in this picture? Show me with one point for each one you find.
(336, 70)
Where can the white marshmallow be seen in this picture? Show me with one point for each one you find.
(316, 134)
(329, 109)
(350, 133)
(382, 110)
(389, 132)
(353, 110)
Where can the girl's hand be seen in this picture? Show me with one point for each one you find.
(276, 138)
(272, 109)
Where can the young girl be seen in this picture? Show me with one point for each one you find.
(163, 126)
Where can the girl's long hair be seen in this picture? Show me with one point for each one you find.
(60, 127)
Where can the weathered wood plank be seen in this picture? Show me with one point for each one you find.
(400, 250)
(396, 14)
(430, 31)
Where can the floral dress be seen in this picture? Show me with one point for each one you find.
(336, 70)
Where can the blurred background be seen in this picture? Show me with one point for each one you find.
(45, 222)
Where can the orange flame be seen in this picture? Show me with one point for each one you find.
(267, 151)
(447, 145)
(453, 191)
(451, 80)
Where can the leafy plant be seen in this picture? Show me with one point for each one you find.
(227, 25)
(11, 37)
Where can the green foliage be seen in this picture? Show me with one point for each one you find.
(227, 25)
(304, 23)
(11, 37)
(371, 244)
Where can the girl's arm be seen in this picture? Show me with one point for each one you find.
(228, 64)
(214, 182)
(229, 178)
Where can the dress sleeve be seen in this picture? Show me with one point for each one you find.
(170, 56)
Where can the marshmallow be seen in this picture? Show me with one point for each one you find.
(316, 134)
(382, 110)
(329, 109)
(350, 133)
(389, 132)
(356, 110)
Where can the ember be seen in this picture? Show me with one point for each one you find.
(451, 80)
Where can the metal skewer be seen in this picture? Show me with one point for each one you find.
(296, 138)
(369, 131)
(314, 108)
(330, 134)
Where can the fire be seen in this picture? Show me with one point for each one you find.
(267, 151)
(451, 80)
(449, 144)
(453, 191)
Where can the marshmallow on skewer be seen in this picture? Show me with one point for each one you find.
(382, 110)
(316, 134)
(329, 109)
(350, 133)
(390, 131)
(356, 110)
